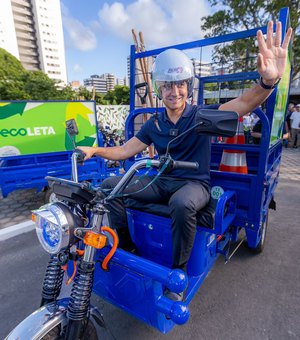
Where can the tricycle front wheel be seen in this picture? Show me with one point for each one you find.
(56, 333)
(261, 244)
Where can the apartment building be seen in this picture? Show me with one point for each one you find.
(102, 84)
(122, 81)
(110, 81)
(97, 82)
(32, 31)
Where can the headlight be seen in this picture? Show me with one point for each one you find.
(54, 226)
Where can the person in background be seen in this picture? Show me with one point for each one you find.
(295, 127)
(291, 108)
(255, 118)
(256, 132)
(247, 123)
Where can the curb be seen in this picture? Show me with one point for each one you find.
(16, 230)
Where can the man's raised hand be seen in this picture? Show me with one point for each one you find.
(271, 60)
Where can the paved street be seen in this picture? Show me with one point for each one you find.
(16, 208)
(290, 166)
(252, 297)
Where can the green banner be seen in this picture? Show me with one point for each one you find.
(281, 104)
(39, 127)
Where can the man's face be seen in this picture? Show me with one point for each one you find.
(291, 106)
(298, 108)
(174, 94)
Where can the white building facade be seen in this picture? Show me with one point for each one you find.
(202, 69)
(32, 31)
(103, 83)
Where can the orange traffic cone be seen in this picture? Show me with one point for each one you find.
(235, 160)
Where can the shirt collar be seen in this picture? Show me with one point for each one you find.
(186, 112)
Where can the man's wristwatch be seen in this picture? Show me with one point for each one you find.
(268, 87)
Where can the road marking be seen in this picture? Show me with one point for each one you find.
(15, 230)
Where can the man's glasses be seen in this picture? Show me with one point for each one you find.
(168, 85)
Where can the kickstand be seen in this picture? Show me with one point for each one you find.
(227, 256)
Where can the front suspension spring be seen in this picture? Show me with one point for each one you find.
(81, 292)
(52, 281)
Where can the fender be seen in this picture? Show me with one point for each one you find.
(41, 321)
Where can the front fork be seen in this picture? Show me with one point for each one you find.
(79, 301)
(52, 281)
(81, 295)
(81, 291)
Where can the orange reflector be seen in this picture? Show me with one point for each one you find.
(94, 240)
(33, 217)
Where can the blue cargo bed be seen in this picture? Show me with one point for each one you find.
(22, 172)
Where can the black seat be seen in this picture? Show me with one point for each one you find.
(205, 216)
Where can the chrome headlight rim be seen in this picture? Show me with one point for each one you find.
(53, 228)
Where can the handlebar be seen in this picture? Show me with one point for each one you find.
(166, 161)
(185, 165)
(79, 156)
(147, 163)
(77, 159)
(169, 164)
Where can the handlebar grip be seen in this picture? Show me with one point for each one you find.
(185, 165)
(80, 156)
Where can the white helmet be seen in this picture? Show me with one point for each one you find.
(170, 66)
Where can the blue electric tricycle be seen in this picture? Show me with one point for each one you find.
(72, 229)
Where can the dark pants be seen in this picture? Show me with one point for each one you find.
(184, 197)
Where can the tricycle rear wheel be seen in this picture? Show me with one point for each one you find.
(261, 244)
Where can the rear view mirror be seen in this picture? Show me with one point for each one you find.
(71, 127)
(72, 130)
(216, 122)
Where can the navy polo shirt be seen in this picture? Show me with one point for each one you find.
(191, 147)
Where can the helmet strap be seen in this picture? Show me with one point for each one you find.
(156, 114)
(192, 98)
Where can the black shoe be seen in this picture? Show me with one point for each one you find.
(174, 296)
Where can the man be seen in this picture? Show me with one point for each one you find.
(247, 124)
(185, 192)
(295, 127)
(287, 124)
(256, 132)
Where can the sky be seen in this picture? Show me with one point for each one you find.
(98, 34)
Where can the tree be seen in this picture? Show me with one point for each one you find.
(11, 73)
(234, 16)
(118, 96)
(84, 93)
(39, 86)
(16, 83)
(122, 94)
(110, 97)
(100, 99)
(10, 67)
(67, 93)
